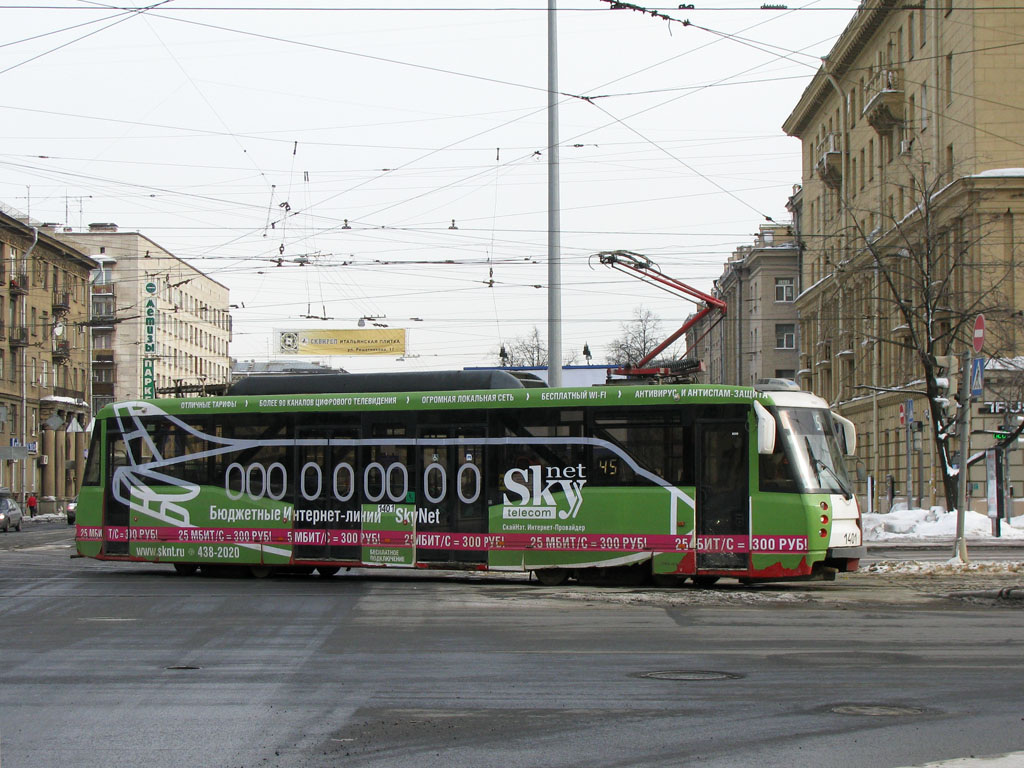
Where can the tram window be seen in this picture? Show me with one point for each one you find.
(177, 449)
(388, 457)
(523, 428)
(665, 450)
(261, 431)
(91, 476)
(118, 451)
(776, 472)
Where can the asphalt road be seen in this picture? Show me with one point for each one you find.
(106, 664)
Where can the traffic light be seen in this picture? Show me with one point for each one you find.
(1003, 432)
(947, 380)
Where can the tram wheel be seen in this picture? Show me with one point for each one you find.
(667, 579)
(327, 570)
(705, 581)
(186, 569)
(552, 577)
(629, 575)
(259, 571)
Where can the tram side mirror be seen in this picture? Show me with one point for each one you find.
(765, 429)
(847, 435)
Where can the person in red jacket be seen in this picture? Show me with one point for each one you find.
(32, 503)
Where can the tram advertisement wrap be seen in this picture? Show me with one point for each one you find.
(267, 503)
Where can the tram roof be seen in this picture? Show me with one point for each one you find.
(404, 381)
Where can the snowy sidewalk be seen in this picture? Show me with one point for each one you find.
(933, 526)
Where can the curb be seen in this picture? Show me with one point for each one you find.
(1006, 593)
(944, 543)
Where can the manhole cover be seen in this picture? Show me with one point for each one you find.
(691, 675)
(876, 710)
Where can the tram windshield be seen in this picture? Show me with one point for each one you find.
(811, 443)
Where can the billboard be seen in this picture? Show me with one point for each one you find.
(320, 342)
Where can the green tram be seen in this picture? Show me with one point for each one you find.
(476, 470)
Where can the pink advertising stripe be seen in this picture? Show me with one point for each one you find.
(546, 542)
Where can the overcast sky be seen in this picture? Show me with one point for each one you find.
(239, 134)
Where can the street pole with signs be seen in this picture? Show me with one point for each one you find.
(960, 546)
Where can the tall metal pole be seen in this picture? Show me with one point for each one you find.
(554, 206)
(960, 546)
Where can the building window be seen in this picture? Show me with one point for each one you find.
(785, 373)
(785, 336)
(102, 306)
(924, 106)
(785, 289)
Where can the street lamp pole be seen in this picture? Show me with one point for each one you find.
(554, 219)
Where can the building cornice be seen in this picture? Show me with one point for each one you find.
(851, 43)
(48, 241)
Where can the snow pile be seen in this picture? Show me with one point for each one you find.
(948, 568)
(935, 523)
(50, 517)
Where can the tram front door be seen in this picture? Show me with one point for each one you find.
(723, 495)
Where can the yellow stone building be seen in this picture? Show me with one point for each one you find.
(44, 361)
(911, 217)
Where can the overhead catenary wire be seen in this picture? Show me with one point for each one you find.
(416, 236)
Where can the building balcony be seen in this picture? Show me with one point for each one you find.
(72, 394)
(18, 336)
(883, 107)
(829, 164)
(61, 302)
(19, 284)
(61, 351)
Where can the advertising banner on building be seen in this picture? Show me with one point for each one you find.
(149, 342)
(321, 342)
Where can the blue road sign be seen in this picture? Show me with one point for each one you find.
(977, 376)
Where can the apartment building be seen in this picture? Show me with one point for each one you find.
(159, 325)
(44, 361)
(757, 338)
(911, 206)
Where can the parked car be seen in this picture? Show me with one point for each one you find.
(10, 514)
(71, 509)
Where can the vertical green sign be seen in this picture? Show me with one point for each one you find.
(149, 343)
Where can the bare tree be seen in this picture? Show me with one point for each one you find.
(528, 351)
(636, 338)
(916, 282)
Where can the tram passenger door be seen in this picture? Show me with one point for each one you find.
(387, 483)
(327, 523)
(723, 495)
(450, 504)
